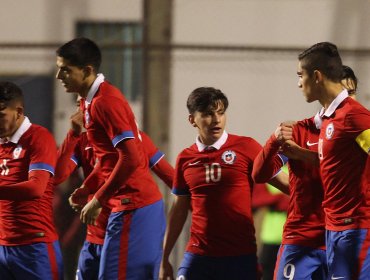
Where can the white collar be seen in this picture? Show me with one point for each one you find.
(318, 118)
(217, 145)
(335, 103)
(94, 88)
(26, 124)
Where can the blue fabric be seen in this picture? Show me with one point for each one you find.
(29, 262)
(88, 261)
(300, 262)
(155, 158)
(196, 267)
(180, 191)
(144, 249)
(124, 135)
(343, 250)
(41, 166)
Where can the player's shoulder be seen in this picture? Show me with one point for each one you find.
(307, 124)
(38, 134)
(353, 106)
(38, 131)
(108, 95)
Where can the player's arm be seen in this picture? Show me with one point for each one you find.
(42, 157)
(176, 221)
(65, 165)
(294, 151)
(267, 162)
(164, 170)
(281, 182)
(159, 165)
(128, 161)
(363, 140)
(32, 188)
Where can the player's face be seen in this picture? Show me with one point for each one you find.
(73, 78)
(307, 84)
(9, 120)
(210, 124)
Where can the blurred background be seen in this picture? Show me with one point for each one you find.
(158, 51)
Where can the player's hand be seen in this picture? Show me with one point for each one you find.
(79, 198)
(77, 122)
(284, 131)
(291, 149)
(90, 212)
(166, 271)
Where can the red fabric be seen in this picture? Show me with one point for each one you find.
(343, 167)
(266, 163)
(34, 187)
(220, 185)
(263, 198)
(109, 120)
(26, 214)
(165, 172)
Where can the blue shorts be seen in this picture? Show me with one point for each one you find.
(89, 261)
(133, 244)
(348, 254)
(31, 262)
(196, 267)
(300, 262)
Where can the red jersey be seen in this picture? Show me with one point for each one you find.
(343, 165)
(23, 222)
(109, 120)
(220, 184)
(305, 224)
(77, 152)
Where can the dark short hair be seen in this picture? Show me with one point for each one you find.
(9, 93)
(348, 73)
(203, 99)
(323, 57)
(81, 52)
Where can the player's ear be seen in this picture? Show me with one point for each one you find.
(88, 70)
(191, 120)
(20, 111)
(318, 76)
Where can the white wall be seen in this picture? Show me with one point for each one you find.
(262, 87)
(53, 21)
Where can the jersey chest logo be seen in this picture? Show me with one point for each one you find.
(17, 152)
(329, 131)
(229, 157)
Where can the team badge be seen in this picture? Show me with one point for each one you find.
(87, 117)
(17, 152)
(329, 131)
(229, 157)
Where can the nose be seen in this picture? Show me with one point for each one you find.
(58, 74)
(299, 84)
(216, 118)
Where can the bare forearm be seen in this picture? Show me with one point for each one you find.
(177, 218)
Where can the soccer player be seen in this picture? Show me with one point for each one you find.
(214, 176)
(121, 178)
(343, 148)
(77, 152)
(302, 252)
(29, 248)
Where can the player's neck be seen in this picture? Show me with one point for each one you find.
(87, 85)
(331, 92)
